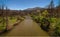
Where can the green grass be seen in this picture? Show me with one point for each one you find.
(3, 26)
(12, 21)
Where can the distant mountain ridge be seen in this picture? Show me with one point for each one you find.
(35, 8)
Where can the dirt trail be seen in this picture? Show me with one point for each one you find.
(27, 28)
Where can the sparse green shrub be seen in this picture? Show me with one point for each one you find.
(50, 24)
(45, 24)
(57, 29)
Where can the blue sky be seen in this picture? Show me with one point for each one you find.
(23, 4)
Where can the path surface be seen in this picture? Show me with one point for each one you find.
(27, 28)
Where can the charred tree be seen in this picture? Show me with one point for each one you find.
(51, 9)
(58, 9)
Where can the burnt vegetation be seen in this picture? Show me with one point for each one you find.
(47, 17)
